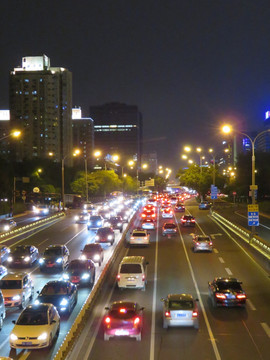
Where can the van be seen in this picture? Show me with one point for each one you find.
(132, 273)
(2, 310)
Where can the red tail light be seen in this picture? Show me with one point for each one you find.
(136, 321)
(211, 243)
(107, 320)
(241, 296)
(143, 277)
(153, 215)
(118, 277)
(167, 314)
(143, 215)
(220, 296)
(195, 314)
(183, 220)
(122, 310)
(192, 220)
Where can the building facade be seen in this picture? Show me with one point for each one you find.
(118, 130)
(40, 98)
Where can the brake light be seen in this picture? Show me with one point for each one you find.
(118, 277)
(195, 314)
(220, 296)
(143, 215)
(107, 320)
(211, 243)
(132, 237)
(143, 277)
(167, 314)
(145, 238)
(183, 220)
(153, 215)
(192, 220)
(136, 321)
(241, 296)
(122, 310)
(197, 243)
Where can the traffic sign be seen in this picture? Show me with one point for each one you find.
(214, 191)
(253, 218)
(253, 207)
(253, 187)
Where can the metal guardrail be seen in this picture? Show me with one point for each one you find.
(29, 227)
(78, 325)
(255, 241)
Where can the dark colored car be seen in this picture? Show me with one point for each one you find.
(123, 318)
(187, 220)
(204, 205)
(226, 292)
(95, 222)
(54, 257)
(4, 253)
(149, 214)
(7, 225)
(23, 255)
(93, 252)
(81, 272)
(61, 293)
(169, 229)
(116, 223)
(179, 208)
(105, 235)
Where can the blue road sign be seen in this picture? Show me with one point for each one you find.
(253, 218)
(214, 191)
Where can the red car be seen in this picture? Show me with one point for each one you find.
(123, 318)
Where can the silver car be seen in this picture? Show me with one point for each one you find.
(180, 310)
(202, 243)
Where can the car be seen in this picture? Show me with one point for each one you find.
(169, 229)
(7, 225)
(41, 209)
(61, 293)
(149, 207)
(179, 207)
(94, 252)
(55, 257)
(105, 235)
(4, 253)
(23, 255)
(132, 273)
(167, 213)
(3, 271)
(36, 327)
(116, 222)
(81, 272)
(187, 220)
(226, 291)
(149, 214)
(139, 237)
(95, 222)
(123, 318)
(148, 224)
(204, 205)
(180, 310)
(82, 218)
(202, 243)
(2, 310)
(174, 200)
(17, 289)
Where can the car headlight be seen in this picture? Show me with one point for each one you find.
(13, 337)
(10, 259)
(37, 302)
(16, 297)
(99, 223)
(83, 257)
(41, 261)
(6, 227)
(97, 237)
(76, 218)
(85, 276)
(26, 259)
(64, 302)
(59, 260)
(85, 217)
(43, 336)
(119, 224)
(110, 237)
(65, 276)
(96, 257)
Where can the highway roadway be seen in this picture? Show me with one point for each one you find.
(225, 333)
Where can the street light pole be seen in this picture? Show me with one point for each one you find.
(63, 183)
(86, 182)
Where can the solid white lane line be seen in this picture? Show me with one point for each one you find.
(210, 332)
(228, 271)
(221, 260)
(250, 304)
(73, 237)
(266, 328)
(153, 322)
(215, 251)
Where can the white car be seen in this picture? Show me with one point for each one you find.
(167, 214)
(35, 328)
(139, 237)
(41, 210)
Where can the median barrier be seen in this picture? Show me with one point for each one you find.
(78, 325)
(259, 244)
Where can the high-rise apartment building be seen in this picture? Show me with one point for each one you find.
(41, 107)
(118, 129)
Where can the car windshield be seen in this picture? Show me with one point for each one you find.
(104, 231)
(203, 239)
(131, 269)
(33, 317)
(53, 252)
(95, 218)
(122, 313)
(169, 226)
(139, 233)
(10, 284)
(188, 217)
(78, 265)
(54, 289)
(91, 248)
(23, 250)
(224, 285)
(181, 305)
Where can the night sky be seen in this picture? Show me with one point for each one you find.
(187, 65)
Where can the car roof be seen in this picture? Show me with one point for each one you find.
(14, 276)
(127, 304)
(132, 259)
(139, 230)
(37, 307)
(226, 279)
(92, 245)
(180, 297)
(55, 246)
(58, 282)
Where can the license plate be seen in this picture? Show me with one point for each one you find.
(121, 332)
(181, 315)
(230, 296)
(131, 279)
(27, 343)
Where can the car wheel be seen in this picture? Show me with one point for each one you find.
(1, 323)
(22, 306)
(112, 242)
(121, 230)
(50, 341)
(106, 337)
(139, 337)
(92, 281)
(32, 293)
(76, 299)
(99, 264)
